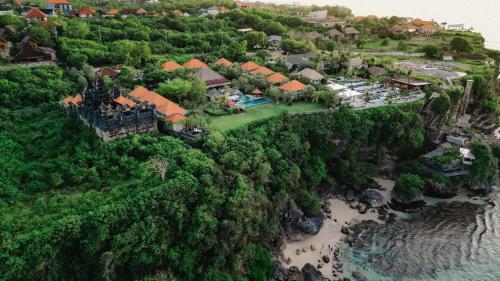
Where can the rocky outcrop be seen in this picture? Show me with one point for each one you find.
(312, 274)
(359, 276)
(295, 221)
(373, 198)
(402, 198)
(308, 273)
(480, 186)
(439, 190)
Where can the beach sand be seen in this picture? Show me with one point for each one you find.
(327, 240)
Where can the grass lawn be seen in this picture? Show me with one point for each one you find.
(224, 123)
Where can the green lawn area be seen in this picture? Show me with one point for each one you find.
(224, 123)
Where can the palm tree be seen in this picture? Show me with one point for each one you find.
(316, 96)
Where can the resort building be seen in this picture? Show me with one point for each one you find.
(417, 26)
(31, 52)
(60, 6)
(211, 78)
(170, 66)
(334, 34)
(85, 12)
(350, 32)
(277, 78)
(36, 15)
(293, 86)
(449, 160)
(456, 27)
(211, 11)
(163, 108)
(249, 66)
(195, 64)
(295, 61)
(223, 62)
(274, 40)
(262, 70)
(408, 83)
(111, 13)
(311, 75)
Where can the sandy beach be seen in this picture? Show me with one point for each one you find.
(313, 248)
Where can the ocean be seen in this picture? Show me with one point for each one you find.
(458, 241)
(482, 15)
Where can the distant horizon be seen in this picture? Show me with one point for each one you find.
(482, 17)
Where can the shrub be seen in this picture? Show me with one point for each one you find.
(410, 184)
(460, 45)
(432, 51)
(441, 104)
(308, 202)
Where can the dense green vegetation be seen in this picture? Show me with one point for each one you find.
(148, 207)
(65, 191)
(409, 184)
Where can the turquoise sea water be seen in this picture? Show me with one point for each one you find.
(445, 242)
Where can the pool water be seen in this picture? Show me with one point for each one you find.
(248, 101)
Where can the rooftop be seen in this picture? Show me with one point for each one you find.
(262, 70)
(163, 105)
(223, 62)
(311, 74)
(293, 86)
(170, 66)
(277, 78)
(195, 64)
(249, 65)
(36, 13)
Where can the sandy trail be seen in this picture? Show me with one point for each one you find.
(327, 240)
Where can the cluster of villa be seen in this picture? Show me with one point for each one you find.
(64, 8)
(24, 51)
(218, 85)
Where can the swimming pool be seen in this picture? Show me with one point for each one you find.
(248, 101)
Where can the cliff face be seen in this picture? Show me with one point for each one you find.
(435, 120)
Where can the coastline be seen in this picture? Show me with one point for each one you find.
(312, 248)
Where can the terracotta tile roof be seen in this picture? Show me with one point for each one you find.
(223, 9)
(36, 14)
(141, 11)
(277, 78)
(257, 92)
(107, 71)
(195, 64)
(112, 12)
(57, 2)
(176, 118)
(164, 13)
(170, 66)
(229, 103)
(350, 31)
(249, 65)
(76, 100)
(85, 11)
(223, 62)
(262, 70)
(293, 86)
(125, 101)
(177, 12)
(163, 105)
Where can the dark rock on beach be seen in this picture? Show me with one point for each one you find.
(312, 274)
(373, 198)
